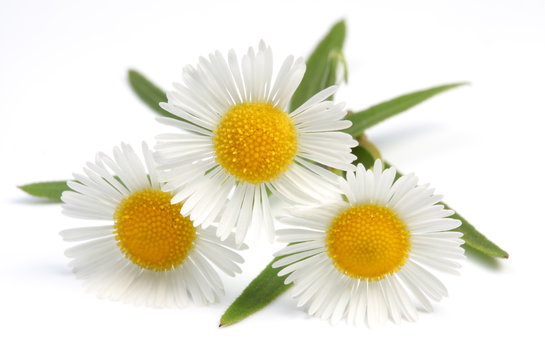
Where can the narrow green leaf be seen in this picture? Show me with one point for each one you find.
(51, 190)
(363, 120)
(322, 65)
(149, 93)
(476, 240)
(266, 287)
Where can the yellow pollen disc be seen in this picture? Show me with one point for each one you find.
(255, 142)
(368, 242)
(151, 232)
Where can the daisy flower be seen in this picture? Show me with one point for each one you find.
(146, 252)
(362, 257)
(240, 142)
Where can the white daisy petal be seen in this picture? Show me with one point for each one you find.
(331, 301)
(400, 188)
(177, 286)
(377, 312)
(303, 246)
(304, 222)
(208, 272)
(96, 190)
(317, 267)
(231, 213)
(217, 256)
(407, 307)
(315, 99)
(204, 285)
(296, 257)
(193, 289)
(301, 264)
(183, 125)
(392, 300)
(417, 292)
(326, 286)
(211, 210)
(87, 248)
(441, 264)
(75, 200)
(290, 235)
(352, 310)
(85, 213)
(268, 226)
(320, 171)
(341, 306)
(361, 311)
(120, 282)
(309, 285)
(427, 279)
(442, 224)
(245, 214)
(86, 233)
(185, 99)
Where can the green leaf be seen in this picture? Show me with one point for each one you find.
(322, 65)
(363, 120)
(476, 240)
(149, 93)
(266, 287)
(51, 190)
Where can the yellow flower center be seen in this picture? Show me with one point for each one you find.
(368, 242)
(255, 142)
(151, 232)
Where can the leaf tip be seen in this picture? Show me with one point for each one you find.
(341, 23)
(224, 323)
(24, 188)
(456, 85)
(132, 74)
(339, 27)
(462, 83)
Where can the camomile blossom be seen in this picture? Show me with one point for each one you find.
(145, 251)
(368, 257)
(238, 140)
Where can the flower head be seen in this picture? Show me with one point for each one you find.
(147, 252)
(361, 257)
(239, 141)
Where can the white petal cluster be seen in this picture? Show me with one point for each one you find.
(96, 257)
(191, 170)
(328, 293)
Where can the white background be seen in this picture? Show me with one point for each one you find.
(64, 96)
